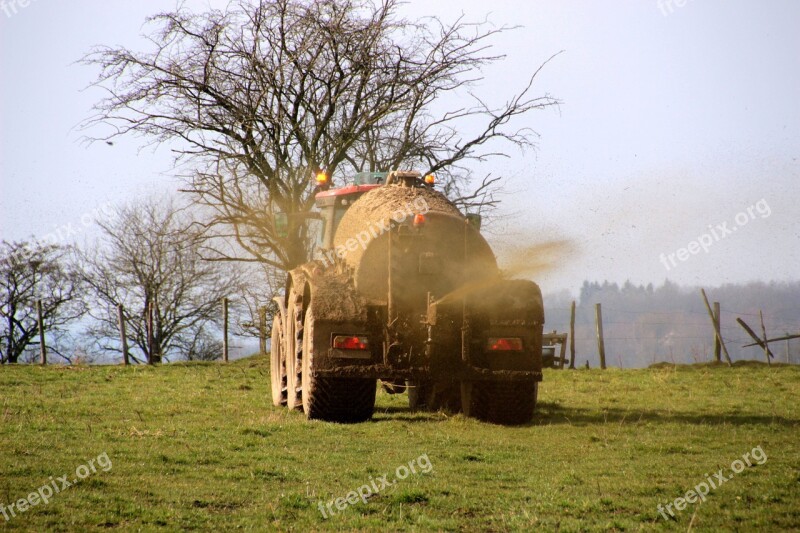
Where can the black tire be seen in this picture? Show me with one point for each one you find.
(430, 395)
(507, 403)
(445, 395)
(333, 399)
(277, 365)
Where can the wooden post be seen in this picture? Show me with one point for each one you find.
(225, 330)
(767, 352)
(752, 334)
(262, 330)
(787, 349)
(717, 326)
(156, 331)
(123, 338)
(150, 355)
(40, 324)
(572, 336)
(601, 348)
(563, 354)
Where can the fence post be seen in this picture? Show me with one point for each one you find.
(787, 348)
(225, 330)
(122, 336)
(150, 355)
(767, 352)
(601, 348)
(262, 329)
(40, 324)
(572, 336)
(717, 325)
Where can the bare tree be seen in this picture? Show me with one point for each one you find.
(254, 99)
(30, 272)
(148, 258)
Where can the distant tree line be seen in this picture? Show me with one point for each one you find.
(644, 324)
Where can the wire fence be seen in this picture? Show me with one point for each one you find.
(639, 338)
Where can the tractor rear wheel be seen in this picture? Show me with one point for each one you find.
(343, 400)
(293, 346)
(277, 358)
(506, 403)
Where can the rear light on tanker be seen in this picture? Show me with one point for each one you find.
(504, 344)
(350, 342)
(419, 220)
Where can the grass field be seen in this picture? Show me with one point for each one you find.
(199, 446)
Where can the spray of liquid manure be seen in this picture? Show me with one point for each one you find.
(527, 261)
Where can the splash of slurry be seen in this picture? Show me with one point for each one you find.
(469, 288)
(538, 258)
(529, 260)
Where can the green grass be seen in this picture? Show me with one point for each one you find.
(199, 446)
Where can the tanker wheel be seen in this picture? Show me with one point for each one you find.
(333, 399)
(506, 403)
(277, 359)
(293, 348)
(445, 395)
(428, 395)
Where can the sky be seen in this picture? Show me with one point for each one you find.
(673, 154)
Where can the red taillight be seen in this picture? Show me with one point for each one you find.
(347, 342)
(504, 344)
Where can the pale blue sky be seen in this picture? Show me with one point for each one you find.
(671, 122)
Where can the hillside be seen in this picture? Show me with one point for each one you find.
(199, 447)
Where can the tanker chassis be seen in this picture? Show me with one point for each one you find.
(405, 290)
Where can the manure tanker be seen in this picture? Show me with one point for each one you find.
(405, 291)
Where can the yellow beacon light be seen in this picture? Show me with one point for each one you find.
(430, 179)
(322, 178)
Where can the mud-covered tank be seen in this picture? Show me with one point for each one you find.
(448, 253)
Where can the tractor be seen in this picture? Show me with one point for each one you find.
(404, 290)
